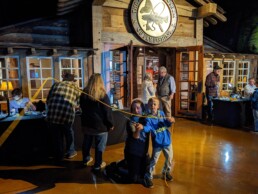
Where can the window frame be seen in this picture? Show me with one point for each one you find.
(233, 76)
(71, 68)
(18, 79)
(40, 78)
(245, 77)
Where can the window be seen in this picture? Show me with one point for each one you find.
(210, 64)
(39, 70)
(9, 74)
(72, 65)
(234, 74)
(243, 74)
(228, 77)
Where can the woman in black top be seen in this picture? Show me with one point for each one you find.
(96, 120)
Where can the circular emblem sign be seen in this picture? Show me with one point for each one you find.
(154, 21)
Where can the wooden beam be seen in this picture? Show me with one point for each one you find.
(117, 3)
(220, 16)
(97, 12)
(212, 20)
(186, 11)
(220, 9)
(207, 10)
(219, 13)
(206, 24)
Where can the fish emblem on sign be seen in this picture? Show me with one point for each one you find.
(154, 20)
(152, 17)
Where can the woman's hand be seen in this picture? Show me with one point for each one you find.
(138, 127)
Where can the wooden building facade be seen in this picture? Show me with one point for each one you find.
(125, 54)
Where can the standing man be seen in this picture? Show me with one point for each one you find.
(62, 100)
(249, 88)
(166, 88)
(212, 88)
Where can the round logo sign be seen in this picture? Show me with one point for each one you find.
(154, 21)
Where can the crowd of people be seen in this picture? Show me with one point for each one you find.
(150, 118)
(147, 120)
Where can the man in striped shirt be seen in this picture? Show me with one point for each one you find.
(62, 100)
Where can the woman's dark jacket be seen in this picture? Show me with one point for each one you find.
(96, 117)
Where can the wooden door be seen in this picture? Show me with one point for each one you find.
(189, 82)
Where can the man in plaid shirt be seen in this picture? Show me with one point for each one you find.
(212, 88)
(62, 100)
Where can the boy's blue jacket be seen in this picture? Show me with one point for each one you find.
(158, 126)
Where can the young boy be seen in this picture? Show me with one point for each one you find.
(158, 125)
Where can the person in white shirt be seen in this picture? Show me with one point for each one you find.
(148, 88)
(249, 88)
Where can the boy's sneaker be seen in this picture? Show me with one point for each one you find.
(148, 183)
(87, 163)
(167, 176)
(69, 156)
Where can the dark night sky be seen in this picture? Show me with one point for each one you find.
(242, 18)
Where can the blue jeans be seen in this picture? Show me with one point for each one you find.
(210, 106)
(255, 115)
(59, 131)
(168, 153)
(100, 146)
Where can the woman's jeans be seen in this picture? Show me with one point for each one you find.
(100, 146)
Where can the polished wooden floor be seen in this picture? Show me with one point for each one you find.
(207, 159)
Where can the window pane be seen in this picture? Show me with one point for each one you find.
(184, 95)
(65, 63)
(33, 92)
(13, 73)
(35, 73)
(35, 84)
(184, 76)
(48, 84)
(185, 66)
(185, 57)
(184, 85)
(45, 93)
(184, 105)
(4, 74)
(46, 73)
(13, 62)
(46, 63)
